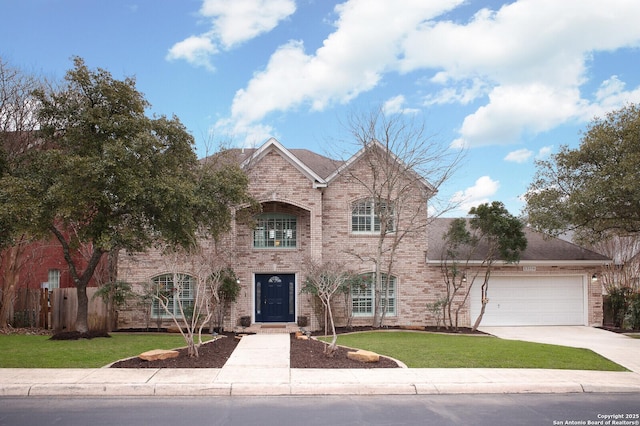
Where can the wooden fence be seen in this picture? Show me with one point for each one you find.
(30, 308)
(56, 309)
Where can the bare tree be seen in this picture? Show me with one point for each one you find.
(17, 125)
(624, 271)
(324, 280)
(192, 298)
(403, 169)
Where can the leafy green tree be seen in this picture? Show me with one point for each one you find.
(500, 236)
(592, 190)
(458, 249)
(107, 177)
(226, 291)
(491, 234)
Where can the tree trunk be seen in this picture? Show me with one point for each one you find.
(485, 286)
(80, 281)
(82, 325)
(9, 280)
(331, 348)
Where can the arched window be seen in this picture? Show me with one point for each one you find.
(275, 230)
(363, 295)
(366, 214)
(177, 290)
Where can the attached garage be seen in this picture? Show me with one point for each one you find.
(532, 300)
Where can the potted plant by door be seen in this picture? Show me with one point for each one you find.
(303, 321)
(245, 321)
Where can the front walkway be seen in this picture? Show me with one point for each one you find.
(266, 328)
(258, 360)
(618, 348)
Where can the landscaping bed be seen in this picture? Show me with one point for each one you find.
(304, 354)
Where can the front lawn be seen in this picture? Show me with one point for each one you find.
(23, 351)
(429, 350)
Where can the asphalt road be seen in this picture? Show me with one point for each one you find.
(495, 410)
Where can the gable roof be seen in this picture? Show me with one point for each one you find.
(320, 164)
(314, 166)
(319, 169)
(540, 248)
(375, 144)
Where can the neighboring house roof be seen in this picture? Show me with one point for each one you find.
(540, 248)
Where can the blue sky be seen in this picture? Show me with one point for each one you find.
(508, 81)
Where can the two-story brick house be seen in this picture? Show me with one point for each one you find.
(317, 208)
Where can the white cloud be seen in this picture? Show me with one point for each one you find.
(481, 192)
(233, 23)
(395, 105)
(237, 21)
(611, 94)
(515, 109)
(351, 60)
(463, 93)
(525, 64)
(544, 152)
(248, 135)
(195, 50)
(532, 55)
(519, 156)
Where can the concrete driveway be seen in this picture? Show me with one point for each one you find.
(618, 348)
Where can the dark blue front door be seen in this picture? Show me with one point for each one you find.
(275, 297)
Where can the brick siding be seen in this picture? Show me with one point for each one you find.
(324, 234)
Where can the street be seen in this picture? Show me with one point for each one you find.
(498, 409)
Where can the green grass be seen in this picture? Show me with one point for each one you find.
(21, 351)
(416, 350)
(427, 350)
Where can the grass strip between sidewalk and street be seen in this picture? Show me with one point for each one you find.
(433, 350)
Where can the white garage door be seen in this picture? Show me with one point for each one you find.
(531, 301)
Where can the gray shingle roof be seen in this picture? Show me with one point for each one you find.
(319, 164)
(539, 247)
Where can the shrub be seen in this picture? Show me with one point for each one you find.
(618, 303)
(632, 317)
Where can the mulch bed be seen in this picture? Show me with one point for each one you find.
(309, 354)
(304, 354)
(211, 355)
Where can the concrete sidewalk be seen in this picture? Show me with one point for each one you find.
(260, 366)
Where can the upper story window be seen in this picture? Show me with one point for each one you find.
(177, 290)
(365, 216)
(275, 230)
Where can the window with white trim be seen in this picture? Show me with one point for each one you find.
(363, 295)
(275, 230)
(365, 216)
(176, 289)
